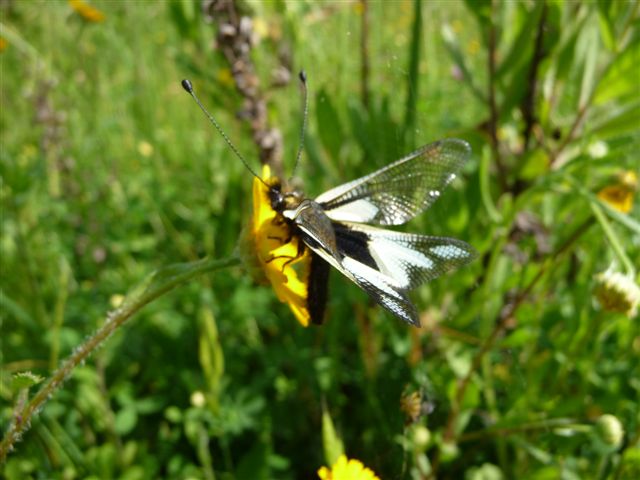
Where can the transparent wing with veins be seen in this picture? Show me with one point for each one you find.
(396, 193)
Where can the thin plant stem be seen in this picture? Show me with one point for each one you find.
(528, 103)
(364, 54)
(617, 247)
(493, 105)
(546, 424)
(156, 285)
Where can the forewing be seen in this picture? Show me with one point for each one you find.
(398, 192)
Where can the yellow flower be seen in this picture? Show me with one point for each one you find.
(617, 292)
(620, 195)
(225, 77)
(473, 47)
(145, 148)
(260, 27)
(86, 11)
(345, 469)
(275, 247)
(3, 44)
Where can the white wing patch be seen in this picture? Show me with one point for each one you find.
(360, 211)
(401, 190)
(449, 251)
(385, 283)
(396, 259)
(382, 289)
(408, 259)
(337, 191)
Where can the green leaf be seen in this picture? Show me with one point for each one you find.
(622, 218)
(126, 419)
(485, 186)
(605, 21)
(331, 441)
(617, 122)
(612, 236)
(453, 47)
(210, 352)
(589, 48)
(481, 10)
(329, 127)
(360, 123)
(23, 380)
(521, 49)
(566, 56)
(413, 77)
(536, 452)
(534, 164)
(620, 81)
(254, 464)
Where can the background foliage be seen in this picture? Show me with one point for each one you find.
(109, 171)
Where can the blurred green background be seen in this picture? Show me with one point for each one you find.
(109, 171)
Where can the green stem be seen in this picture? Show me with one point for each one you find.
(156, 285)
(614, 241)
(545, 425)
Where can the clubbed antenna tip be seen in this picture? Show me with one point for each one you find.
(186, 84)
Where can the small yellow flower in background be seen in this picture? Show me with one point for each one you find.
(345, 469)
(145, 148)
(225, 77)
(269, 233)
(620, 195)
(116, 300)
(86, 11)
(3, 44)
(473, 47)
(260, 27)
(617, 292)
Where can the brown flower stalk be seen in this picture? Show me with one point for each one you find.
(235, 41)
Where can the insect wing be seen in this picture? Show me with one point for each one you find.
(398, 192)
(379, 287)
(409, 259)
(386, 264)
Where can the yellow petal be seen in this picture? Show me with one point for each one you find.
(618, 196)
(277, 251)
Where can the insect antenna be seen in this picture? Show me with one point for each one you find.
(303, 80)
(186, 84)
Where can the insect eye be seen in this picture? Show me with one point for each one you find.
(277, 198)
